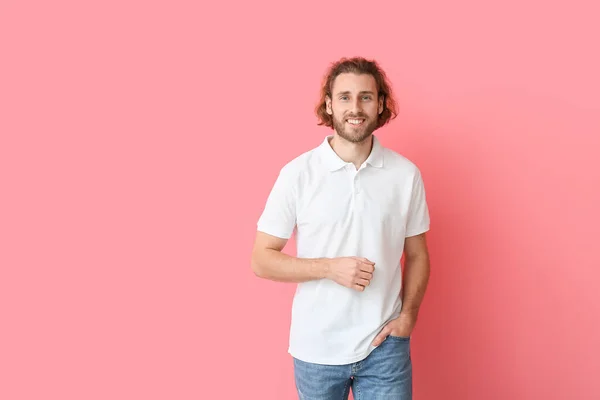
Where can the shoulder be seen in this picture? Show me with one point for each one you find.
(293, 170)
(400, 163)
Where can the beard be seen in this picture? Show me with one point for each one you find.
(354, 134)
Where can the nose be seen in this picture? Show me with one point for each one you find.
(356, 106)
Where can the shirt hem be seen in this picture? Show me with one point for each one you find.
(273, 232)
(325, 361)
(417, 231)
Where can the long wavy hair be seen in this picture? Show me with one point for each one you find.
(357, 65)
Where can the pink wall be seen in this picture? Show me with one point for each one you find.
(139, 142)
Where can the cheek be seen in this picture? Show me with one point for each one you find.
(374, 111)
(338, 112)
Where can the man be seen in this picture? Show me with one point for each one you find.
(356, 207)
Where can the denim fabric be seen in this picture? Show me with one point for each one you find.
(386, 374)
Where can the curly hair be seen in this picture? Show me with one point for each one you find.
(357, 65)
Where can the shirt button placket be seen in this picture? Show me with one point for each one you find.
(357, 192)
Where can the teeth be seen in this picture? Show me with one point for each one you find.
(355, 121)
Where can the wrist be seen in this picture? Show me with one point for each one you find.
(409, 312)
(323, 268)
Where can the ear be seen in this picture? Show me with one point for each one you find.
(328, 108)
(381, 103)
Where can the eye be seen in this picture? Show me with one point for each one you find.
(366, 97)
(344, 98)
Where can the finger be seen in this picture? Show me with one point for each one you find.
(367, 267)
(364, 260)
(358, 287)
(379, 339)
(362, 282)
(365, 275)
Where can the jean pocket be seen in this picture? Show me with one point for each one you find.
(400, 338)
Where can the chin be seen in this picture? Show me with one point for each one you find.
(354, 137)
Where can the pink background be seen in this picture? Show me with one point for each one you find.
(139, 141)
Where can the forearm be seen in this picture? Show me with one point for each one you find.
(277, 266)
(414, 284)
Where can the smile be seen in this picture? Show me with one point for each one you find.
(355, 122)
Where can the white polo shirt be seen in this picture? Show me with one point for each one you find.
(338, 211)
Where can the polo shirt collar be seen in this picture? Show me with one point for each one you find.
(334, 162)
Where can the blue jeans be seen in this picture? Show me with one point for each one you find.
(386, 374)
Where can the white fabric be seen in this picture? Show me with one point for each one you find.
(338, 211)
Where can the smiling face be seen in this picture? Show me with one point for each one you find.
(354, 106)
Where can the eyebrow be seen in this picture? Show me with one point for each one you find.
(363, 92)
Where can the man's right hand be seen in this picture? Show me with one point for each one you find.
(352, 272)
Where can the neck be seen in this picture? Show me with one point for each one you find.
(356, 153)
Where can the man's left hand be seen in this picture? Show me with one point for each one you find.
(401, 326)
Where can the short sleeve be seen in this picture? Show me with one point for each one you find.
(279, 214)
(418, 212)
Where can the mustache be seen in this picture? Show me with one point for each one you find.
(356, 116)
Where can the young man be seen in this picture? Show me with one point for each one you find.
(356, 207)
